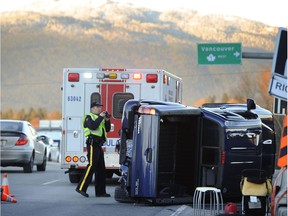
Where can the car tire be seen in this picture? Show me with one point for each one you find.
(74, 178)
(42, 167)
(49, 157)
(28, 168)
(109, 174)
(121, 195)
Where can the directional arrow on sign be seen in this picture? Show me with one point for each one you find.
(237, 54)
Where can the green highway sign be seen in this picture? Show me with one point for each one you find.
(219, 53)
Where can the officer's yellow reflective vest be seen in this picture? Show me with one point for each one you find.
(99, 131)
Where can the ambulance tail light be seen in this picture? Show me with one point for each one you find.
(75, 159)
(82, 159)
(137, 76)
(68, 159)
(73, 77)
(151, 78)
(147, 110)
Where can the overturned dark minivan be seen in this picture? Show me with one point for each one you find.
(168, 149)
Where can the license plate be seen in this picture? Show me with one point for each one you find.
(3, 143)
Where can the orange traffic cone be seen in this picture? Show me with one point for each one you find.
(5, 197)
(5, 185)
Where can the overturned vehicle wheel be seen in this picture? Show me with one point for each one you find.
(121, 195)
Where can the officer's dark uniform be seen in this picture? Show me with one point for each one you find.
(95, 129)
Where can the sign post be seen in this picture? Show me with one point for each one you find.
(278, 82)
(219, 53)
(279, 87)
(279, 106)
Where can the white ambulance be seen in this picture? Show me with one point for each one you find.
(112, 88)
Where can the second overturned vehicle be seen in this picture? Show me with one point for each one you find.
(169, 149)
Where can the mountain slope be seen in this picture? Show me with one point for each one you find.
(36, 47)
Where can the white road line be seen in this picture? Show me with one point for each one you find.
(51, 182)
(179, 210)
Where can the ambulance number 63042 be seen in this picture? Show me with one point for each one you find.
(74, 98)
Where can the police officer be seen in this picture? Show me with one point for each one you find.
(95, 125)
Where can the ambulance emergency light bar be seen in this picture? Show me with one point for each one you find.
(150, 78)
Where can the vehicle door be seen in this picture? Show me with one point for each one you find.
(144, 159)
(242, 151)
(39, 146)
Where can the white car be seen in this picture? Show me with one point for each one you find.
(21, 146)
(54, 151)
(48, 141)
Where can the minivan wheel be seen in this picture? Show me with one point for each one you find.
(121, 195)
(28, 168)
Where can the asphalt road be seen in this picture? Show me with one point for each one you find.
(51, 193)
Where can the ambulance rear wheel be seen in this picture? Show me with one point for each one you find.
(74, 178)
(109, 174)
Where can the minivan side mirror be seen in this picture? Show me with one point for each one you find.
(250, 104)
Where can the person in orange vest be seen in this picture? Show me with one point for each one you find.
(95, 126)
(282, 159)
(279, 194)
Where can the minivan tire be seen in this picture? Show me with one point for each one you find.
(121, 195)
